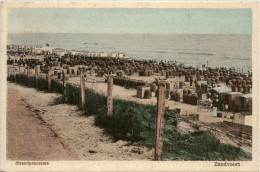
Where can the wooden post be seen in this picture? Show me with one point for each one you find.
(36, 76)
(63, 82)
(159, 123)
(49, 79)
(19, 69)
(82, 90)
(110, 96)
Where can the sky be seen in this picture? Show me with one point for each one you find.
(130, 21)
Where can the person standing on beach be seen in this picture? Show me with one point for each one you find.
(226, 107)
(191, 80)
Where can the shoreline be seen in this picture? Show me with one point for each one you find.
(191, 54)
(61, 52)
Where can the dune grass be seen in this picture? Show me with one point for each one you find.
(136, 123)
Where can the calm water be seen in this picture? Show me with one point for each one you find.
(192, 50)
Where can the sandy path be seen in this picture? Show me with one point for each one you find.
(29, 137)
(86, 140)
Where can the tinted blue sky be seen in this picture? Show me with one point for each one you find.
(133, 20)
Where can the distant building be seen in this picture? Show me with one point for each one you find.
(37, 51)
(218, 96)
(120, 55)
(113, 55)
(236, 101)
(246, 102)
(243, 118)
(59, 52)
(102, 54)
(47, 49)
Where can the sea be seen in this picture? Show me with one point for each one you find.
(230, 51)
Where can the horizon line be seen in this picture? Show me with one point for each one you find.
(131, 33)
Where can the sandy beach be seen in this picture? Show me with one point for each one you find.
(86, 140)
(89, 142)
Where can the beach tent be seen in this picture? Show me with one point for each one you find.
(218, 95)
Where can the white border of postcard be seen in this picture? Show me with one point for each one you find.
(253, 165)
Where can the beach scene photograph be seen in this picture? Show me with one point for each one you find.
(129, 84)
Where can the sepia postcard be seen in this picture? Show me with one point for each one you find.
(129, 86)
